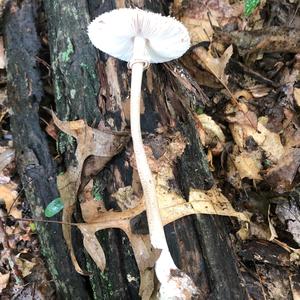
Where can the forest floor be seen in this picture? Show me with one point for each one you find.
(249, 70)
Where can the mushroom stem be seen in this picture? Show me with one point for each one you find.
(165, 262)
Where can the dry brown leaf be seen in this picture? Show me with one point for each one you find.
(292, 136)
(281, 176)
(259, 90)
(90, 141)
(4, 279)
(93, 247)
(195, 16)
(25, 266)
(141, 246)
(248, 164)
(6, 157)
(215, 65)
(213, 134)
(8, 194)
(211, 202)
(268, 141)
(90, 207)
(297, 96)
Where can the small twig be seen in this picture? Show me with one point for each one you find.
(46, 221)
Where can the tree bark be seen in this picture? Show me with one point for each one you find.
(34, 162)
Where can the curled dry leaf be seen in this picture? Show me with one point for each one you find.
(281, 176)
(24, 265)
(268, 141)
(248, 164)
(213, 135)
(8, 194)
(6, 157)
(215, 65)
(4, 279)
(259, 90)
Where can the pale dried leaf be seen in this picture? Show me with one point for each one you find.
(8, 195)
(281, 176)
(297, 96)
(213, 133)
(6, 157)
(90, 207)
(144, 255)
(4, 279)
(259, 90)
(268, 141)
(173, 206)
(93, 247)
(248, 164)
(215, 65)
(25, 266)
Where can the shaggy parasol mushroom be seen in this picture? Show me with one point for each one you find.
(141, 38)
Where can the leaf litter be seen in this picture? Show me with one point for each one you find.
(251, 124)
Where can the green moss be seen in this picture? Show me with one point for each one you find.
(64, 142)
(65, 56)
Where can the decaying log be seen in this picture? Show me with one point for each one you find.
(35, 165)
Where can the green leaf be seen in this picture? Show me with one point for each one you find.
(249, 6)
(54, 207)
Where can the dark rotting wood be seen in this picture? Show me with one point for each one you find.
(225, 279)
(35, 165)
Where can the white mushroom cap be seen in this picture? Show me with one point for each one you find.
(114, 32)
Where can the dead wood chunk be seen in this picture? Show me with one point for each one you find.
(266, 40)
(265, 252)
